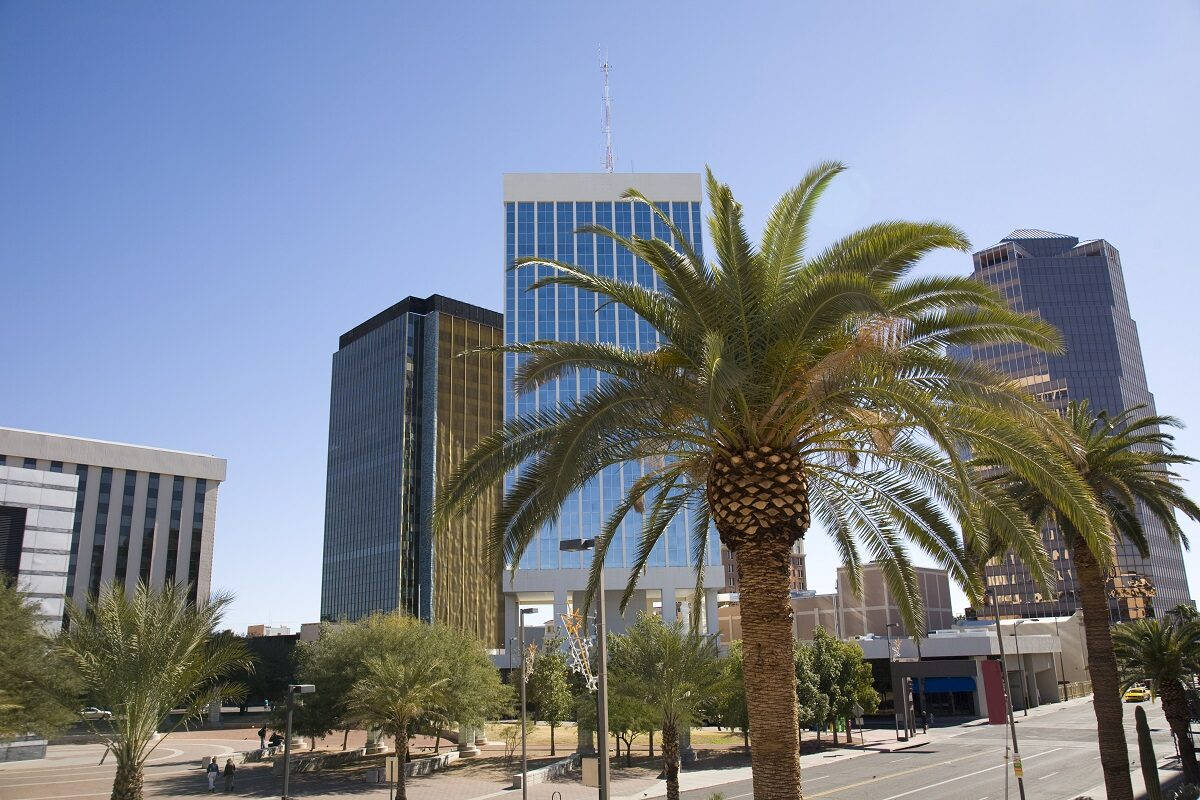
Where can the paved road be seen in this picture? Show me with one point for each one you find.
(1059, 752)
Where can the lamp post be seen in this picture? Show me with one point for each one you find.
(1012, 725)
(579, 545)
(921, 686)
(896, 694)
(292, 690)
(521, 612)
(1062, 672)
(1021, 668)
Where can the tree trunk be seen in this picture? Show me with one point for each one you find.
(1175, 706)
(629, 752)
(769, 668)
(345, 738)
(437, 740)
(652, 744)
(127, 785)
(552, 727)
(1102, 668)
(670, 754)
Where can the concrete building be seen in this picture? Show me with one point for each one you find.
(404, 410)
(845, 614)
(1079, 287)
(541, 214)
(255, 631)
(37, 514)
(141, 514)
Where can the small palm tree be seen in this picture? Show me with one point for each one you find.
(398, 689)
(673, 672)
(143, 657)
(786, 387)
(1165, 652)
(1128, 461)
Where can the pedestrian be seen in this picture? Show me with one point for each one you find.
(211, 773)
(262, 738)
(229, 770)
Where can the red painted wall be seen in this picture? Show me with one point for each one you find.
(993, 691)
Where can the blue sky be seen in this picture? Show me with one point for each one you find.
(197, 199)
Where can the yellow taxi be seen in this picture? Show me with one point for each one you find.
(1136, 694)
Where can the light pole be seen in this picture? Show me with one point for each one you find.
(896, 694)
(921, 681)
(1021, 668)
(1012, 725)
(292, 690)
(579, 545)
(1062, 672)
(521, 612)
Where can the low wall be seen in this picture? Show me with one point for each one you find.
(22, 750)
(555, 770)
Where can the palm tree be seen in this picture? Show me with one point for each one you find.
(1165, 652)
(672, 671)
(144, 655)
(785, 387)
(398, 689)
(1127, 461)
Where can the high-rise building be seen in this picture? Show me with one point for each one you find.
(1078, 287)
(405, 407)
(135, 514)
(541, 215)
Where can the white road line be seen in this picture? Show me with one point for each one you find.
(968, 775)
(810, 780)
(1051, 775)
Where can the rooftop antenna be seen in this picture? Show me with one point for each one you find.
(605, 67)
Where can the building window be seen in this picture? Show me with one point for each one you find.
(99, 531)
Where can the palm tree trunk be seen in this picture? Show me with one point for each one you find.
(670, 754)
(127, 785)
(1102, 668)
(767, 645)
(401, 759)
(1175, 706)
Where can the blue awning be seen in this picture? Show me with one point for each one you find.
(950, 684)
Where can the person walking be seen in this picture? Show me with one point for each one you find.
(229, 770)
(211, 773)
(262, 738)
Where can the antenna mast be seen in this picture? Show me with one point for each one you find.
(608, 144)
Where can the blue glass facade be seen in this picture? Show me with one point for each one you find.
(541, 227)
(1079, 287)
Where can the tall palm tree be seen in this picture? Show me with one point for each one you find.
(672, 671)
(144, 655)
(1165, 652)
(398, 689)
(1127, 461)
(785, 387)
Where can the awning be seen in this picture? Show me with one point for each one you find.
(959, 683)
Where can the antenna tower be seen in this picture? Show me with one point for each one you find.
(605, 67)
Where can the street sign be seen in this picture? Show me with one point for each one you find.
(591, 771)
(1018, 770)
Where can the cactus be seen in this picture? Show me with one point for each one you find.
(1146, 753)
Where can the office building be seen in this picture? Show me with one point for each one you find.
(541, 214)
(137, 514)
(1078, 287)
(405, 408)
(37, 514)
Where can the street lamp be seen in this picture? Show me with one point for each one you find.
(292, 690)
(1012, 725)
(896, 695)
(579, 545)
(1062, 672)
(1021, 667)
(521, 652)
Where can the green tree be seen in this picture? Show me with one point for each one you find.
(825, 661)
(1166, 653)
(475, 694)
(783, 386)
(728, 704)
(398, 688)
(143, 656)
(32, 674)
(274, 668)
(812, 705)
(549, 685)
(1128, 461)
(670, 670)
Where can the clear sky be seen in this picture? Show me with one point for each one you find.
(197, 199)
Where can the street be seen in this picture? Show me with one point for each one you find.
(1058, 751)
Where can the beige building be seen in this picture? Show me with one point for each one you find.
(847, 615)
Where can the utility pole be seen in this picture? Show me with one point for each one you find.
(609, 159)
(521, 612)
(1012, 725)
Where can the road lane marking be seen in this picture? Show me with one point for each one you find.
(968, 775)
(894, 774)
(1051, 775)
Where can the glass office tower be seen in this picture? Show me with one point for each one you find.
(541, 215)
(405, 408)
(1080, 289)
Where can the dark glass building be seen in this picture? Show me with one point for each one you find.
(404, 410)
(1080, 289)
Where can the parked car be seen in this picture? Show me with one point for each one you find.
(1137, 694)
(92, 713)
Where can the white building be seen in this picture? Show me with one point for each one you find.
(37, 514)
(137, 514)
